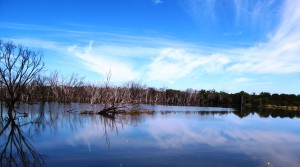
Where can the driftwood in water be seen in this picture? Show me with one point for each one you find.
(109, 110)
(104, 111)
(118, 110)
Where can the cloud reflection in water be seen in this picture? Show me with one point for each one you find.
(270, 142)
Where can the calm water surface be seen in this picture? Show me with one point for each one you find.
(172, 136)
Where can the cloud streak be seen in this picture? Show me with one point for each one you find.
(280, 54)
(157, 2)
(174, 64)
(165, 60)
(99, 63)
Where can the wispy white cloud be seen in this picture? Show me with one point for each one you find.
(201, 9)
(36, 43)
(239, 14)
(233, 33)
(281, 53)
(42, 28)
(23, 26)
(163, 59)
(99, 63)
(174, 64)
(242, 80)
(157, 2)
(255, 11)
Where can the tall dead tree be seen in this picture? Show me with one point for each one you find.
(18, 67)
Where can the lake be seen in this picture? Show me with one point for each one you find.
(172, 136)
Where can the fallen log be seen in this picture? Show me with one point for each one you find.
(118, 110)
(109, 110)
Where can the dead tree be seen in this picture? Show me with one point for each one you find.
(93, 94)
(18, 67)
(41, 88)
(109, 99)
(113, 100)
(54, 85)
(68, 86)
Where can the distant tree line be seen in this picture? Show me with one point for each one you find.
(21, 81)
(55, 88)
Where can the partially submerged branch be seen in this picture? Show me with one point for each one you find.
(124, 110)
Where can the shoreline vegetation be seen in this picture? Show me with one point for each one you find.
(21, 80)
(288, 108)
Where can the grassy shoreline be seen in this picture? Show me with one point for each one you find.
(279, 107)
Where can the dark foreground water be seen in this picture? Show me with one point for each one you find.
(172, 136)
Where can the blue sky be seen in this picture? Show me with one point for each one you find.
(226, 45)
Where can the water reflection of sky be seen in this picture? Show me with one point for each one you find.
(262, 140)
(173, 139)
(269, 139)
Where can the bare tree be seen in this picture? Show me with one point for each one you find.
(93, 94)
(18, 67)
(41, 90)
(54, 85)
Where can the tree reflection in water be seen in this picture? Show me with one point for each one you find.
(16, 150)
(112, 124)
(16, 130)
(109, 123)
(265, 113)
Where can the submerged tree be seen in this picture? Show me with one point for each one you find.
(18, 67)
